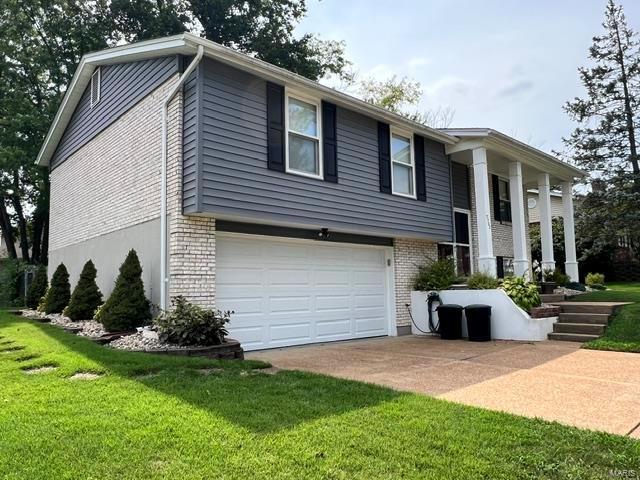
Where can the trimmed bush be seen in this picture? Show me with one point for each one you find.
(594, 279)
(38, 287)
(59, 292)
(523, 293)
(189, 324)
(576, 286)
(482, 281)
(435, 275)
(86, 296)
(560, 278)
(127, 307)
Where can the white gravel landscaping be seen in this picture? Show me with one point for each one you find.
(137, 341)
(90, 328)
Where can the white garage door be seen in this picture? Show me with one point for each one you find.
(288, 292)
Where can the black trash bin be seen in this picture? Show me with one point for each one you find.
(478, 322)
(450, 317)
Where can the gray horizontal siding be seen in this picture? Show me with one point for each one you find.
(191, 146)
(122, 86)
(235, 180)
(460, 185)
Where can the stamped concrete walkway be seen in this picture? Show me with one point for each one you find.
(551, 380)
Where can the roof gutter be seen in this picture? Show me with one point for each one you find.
(164, 280)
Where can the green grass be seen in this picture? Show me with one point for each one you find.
(623, 333)
(240, 423)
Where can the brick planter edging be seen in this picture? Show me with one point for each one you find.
(544, 312)
(229, 350)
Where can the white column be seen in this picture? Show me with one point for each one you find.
(518, 225)
(571, 264)
(546, 233)
(486, 259)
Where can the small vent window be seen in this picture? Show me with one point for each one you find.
(95, 87)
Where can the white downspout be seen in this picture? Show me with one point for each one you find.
(163, 182)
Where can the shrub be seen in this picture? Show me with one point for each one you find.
(435, 275)
(522, 292)
(597, 286)
(86, 297)
(127, 307)
(59, 291)
(482, 281)
(559, 277)
(10, 270)
(594, 279)
(38, 288)
(576, 286)
(547, 274)
(189, 324)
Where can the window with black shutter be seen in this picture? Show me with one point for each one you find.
(501, 199)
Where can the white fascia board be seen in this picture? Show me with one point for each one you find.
(512, 148)
(293, 80)
(187, 44)
(82, 77)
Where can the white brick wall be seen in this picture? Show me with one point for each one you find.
(192, 241)
(408, 254)
(112, 182)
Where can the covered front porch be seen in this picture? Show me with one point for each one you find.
(502, 170)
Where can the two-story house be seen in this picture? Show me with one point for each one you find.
(247, 187)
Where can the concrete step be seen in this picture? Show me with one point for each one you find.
(572, 337)
(587, 307)
(551, 297)
(597, 318)
(587, 328)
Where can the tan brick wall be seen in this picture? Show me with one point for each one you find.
(408, 254)
(112, 182)
(192, 241)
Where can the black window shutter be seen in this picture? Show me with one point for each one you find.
(418, 149)
(384, 156)
(500, 267)
(275, 127)
(329, 142)
(496, 197)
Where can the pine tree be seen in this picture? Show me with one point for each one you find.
(38, 287)
(59, 292)
(86, 297)
(605, 141)
(127, 307)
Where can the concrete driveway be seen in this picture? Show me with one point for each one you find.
(551, 380)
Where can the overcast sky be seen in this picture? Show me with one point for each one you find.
(508, 65)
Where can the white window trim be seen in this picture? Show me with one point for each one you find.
(458, 244)
(314, 101)
(98, 74)
(403, 133)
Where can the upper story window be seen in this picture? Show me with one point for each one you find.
(402, 165)
(501, 200)
(304, 149)
(95, 86)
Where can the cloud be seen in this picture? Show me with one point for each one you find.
(515, 88)
(416, 62)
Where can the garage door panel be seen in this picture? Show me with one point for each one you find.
(290, 331)
(238, 276)
(281, 277)
(337, 278)
(332, 328)
(290, 304)
(370, 326)
(296, 292)
(333, 303)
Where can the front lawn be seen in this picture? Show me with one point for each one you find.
(623, 332)
(156, 417)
